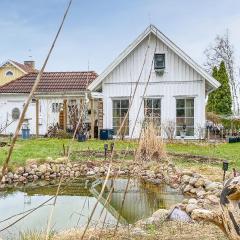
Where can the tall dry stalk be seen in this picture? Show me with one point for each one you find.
(151, 146)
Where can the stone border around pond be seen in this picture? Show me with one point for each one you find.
(200, 192)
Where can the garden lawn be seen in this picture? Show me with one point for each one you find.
(227, 151)
(41, 149)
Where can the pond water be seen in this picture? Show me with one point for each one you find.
(75, 203)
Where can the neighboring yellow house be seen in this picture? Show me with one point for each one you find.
(11, 70)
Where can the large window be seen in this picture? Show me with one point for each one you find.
(120, 109)
(185, 116)
(152, 111)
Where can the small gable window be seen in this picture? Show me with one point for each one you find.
(159, 61)
(9, 73)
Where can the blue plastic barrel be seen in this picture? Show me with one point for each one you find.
(82, 137)
(25, 133)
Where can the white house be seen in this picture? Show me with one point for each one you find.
(166, 85)
(57, 101)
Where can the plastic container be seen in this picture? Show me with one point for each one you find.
(25, 133)
(106, 134)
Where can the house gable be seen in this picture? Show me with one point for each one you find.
(179, 66)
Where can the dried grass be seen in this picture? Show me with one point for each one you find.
(151, 146)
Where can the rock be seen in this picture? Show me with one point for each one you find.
(187, 188)
(191, 207)
(3, 180)
(210, 186)
(193, 180)
(20, 170)
(22, 179)
(185, 201)
(160, 215)
(42, 168)
(200, 193)
(53, 176)
(56, 168)
(179, 215)
(35, 177)
(199, 183)
(187, 172)
(138, 232)
(25, 174)
(15, 176)
(90, 173)
(10, 175)
(77, 174)
(192, 201)
(185, 179)
(213, 199)
(193, 190)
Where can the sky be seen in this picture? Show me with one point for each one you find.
(97, 31)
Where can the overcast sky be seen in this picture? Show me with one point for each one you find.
(98, 30)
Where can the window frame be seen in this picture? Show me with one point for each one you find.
(152, 108)
(185, 109)
(9, 71)
(120, 117)
(164, 62)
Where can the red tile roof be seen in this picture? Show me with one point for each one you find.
(51, 82)
(24, 67)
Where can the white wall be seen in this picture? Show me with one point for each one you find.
(46, 117)
(179, 79)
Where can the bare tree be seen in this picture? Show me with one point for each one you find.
(223, 50)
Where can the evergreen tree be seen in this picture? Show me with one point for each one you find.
(220, 101)
(211, 97)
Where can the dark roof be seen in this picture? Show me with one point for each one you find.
(51, 82)
(24, 67)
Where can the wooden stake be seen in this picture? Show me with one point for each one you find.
(65, 115)
(37, 118)
(92, 118)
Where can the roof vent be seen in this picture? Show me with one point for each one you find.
(159, 62)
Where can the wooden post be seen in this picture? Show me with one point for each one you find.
(92, 118)
(37, 118)
(65, 115)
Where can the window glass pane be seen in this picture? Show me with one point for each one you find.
(116, 112)
(156, 103)
(190, 131)
(180, 121)
(185, 116)
(116, 121)
(156, 113)
(148, 103)
(124, 103)
(180, 112)
(124, 112)
(180, 103)
(116, 103)
(189, 103)
(190, 121)
(189, 112)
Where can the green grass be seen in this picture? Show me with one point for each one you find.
(230, 152)
(41, 149)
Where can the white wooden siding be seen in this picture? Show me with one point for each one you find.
(179, 79)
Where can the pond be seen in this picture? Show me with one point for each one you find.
(75, 203)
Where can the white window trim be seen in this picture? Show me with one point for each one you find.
(122, 98)
(9, 75)
(194, 126)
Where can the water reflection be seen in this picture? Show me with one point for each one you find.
(141, 201)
